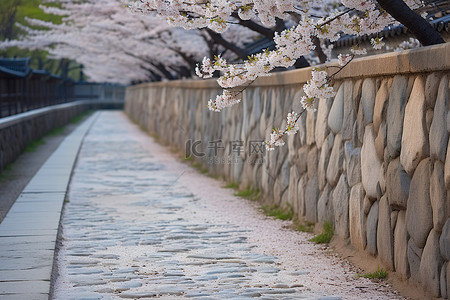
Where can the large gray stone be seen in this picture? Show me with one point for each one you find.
(367, 204)
(302, 131)
(358, 128)
(431, 89)
(294, 177)
(448, 121)
(371, 232)
(370, 163)
(443, 281)
(438, 197)
(337, 111)
(284, 174)
(381, 188)
(322, 129)
(397, 185)
(277, 192)
(394, 216)
(429, 118)
(353, 164)
(401, 246)
(325, 206)
(340, 207)
(381, 103)
(448, 280)
(310, 124)
(293, 144)
(385, 236)
(302, 163)
(357, 217)
(311, 199)
(324, 160)
(438, 130)
(447, 168)
(380, 141)
(368, 99)
(349, 111)
(444, 242)
(415, 145)
(430, 264)
(313, 158)
(414, 258)
(419, 214)
(395, 115)
(335, 164)
(301, 196)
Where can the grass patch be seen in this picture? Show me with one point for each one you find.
(4, 176)
(81, 117)
(278, 212)
(249, 193)
(305, 227)
(214, 176)
(57, 131)
(200, 168)
(326, 236)
(231, 185)
(155, 137)
(378, 274)
(33, 145)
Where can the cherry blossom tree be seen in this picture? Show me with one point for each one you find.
(350, 17)
(112, 44)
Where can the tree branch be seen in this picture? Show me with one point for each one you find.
(418, 26)
(221, 41)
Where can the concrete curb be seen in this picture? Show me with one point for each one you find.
(29, 231)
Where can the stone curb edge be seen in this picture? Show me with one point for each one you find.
(29, 231)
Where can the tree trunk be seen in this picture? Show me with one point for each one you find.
(417, 25)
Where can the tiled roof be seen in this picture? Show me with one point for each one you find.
(19, 67)
(441, 24)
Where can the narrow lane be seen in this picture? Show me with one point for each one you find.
(138, 224)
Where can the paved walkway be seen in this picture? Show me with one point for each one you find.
(138, 224)
(28, 232)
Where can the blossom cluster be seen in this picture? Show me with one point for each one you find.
(351, 17)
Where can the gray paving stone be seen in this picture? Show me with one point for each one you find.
(36, 274)
(25, 287)
(34, 296)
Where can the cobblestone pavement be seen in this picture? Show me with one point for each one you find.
(138, 225)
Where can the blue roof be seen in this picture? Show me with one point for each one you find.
(440, 24)
(19, 67)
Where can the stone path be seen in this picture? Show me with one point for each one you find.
(138, 225)
(28, 232)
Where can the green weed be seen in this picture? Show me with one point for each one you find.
(33, 145)
(278, 212)
(200, 168)
(57, 131)
(326, 236)
(231, 185)
(249, 193)
(80, 117)
(306, 227)
(4, 176)
(378, 274)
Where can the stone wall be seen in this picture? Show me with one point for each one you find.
(373, 161)
(17, 131)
